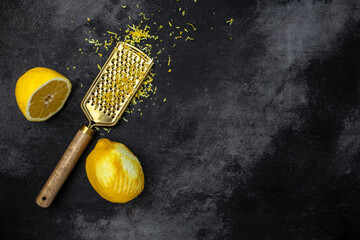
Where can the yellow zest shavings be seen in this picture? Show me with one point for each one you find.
(124, 6)
(169, 70)
(113, 33)
(143, 14)
(107, 129)
(100, 54)
(230, 21)
(81, 85)
(169, 61)
(135, 35)
(192, 26)
(88, 19)
(183, 13)
(170, 24)
(189, 38)
(99, 67)
(164, 100)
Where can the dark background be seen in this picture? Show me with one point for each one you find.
(258, 139)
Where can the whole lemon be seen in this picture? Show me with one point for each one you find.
(114, 171)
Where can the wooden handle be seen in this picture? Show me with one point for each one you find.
(64, 167)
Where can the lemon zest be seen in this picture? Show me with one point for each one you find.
(192, 26)
(169, 61)
(230, 21)
(143, 14)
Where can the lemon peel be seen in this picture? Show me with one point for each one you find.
(114, 172)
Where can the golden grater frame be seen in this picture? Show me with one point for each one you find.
(119, 62)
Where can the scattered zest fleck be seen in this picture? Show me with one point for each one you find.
(88, 19)
(164, 99)
(112, 33)
(107, 129)
(230, 21)
(189, 38)
(143, 14)
(192, 26)
(169, 61)
(124, 6)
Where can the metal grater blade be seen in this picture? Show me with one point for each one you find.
(115, 85)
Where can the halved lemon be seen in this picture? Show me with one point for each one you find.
(41, 92)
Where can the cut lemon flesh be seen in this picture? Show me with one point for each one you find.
(48, 99)
(41, 92)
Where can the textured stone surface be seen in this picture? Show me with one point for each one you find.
(257, 139)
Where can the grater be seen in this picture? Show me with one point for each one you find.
(103, 105)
